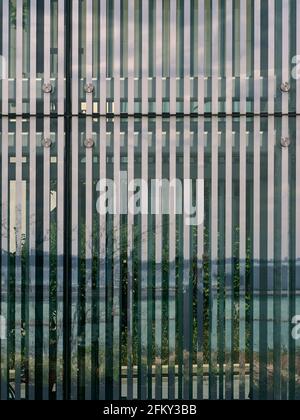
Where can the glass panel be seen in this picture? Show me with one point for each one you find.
(190, 309)
(32, 55)
(31, 263)
(149, 199)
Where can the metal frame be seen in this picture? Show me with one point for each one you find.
(68, 116)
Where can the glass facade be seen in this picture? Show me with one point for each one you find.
(150, 199)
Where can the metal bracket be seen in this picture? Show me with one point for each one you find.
(47, 143)
(89, 88)
(47, 88)
(285, 87)
(89, 143)
(285, 141)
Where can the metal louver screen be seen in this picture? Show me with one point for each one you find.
(149, 199)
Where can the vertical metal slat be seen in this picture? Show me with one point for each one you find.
(75, 261)
(243, 56)
(103, 41)
(213, 303)
(4, 256)
(215, 58)
(270, 250)
(145, 56)
(130, 172)
(285, 243)
(46, 260)
(89, 54)
(5, 54)
(144, 264)
(131, 60)
(117, 56)
(158, 264)
(228, 264)
(187, 57)
(158, 57)
(201, 49)
(173, 34)
(116, 264)
(200, 267)
(60, 258)
(172, 255)
(256, 293)
(102, 280)
(242, 257)
(88, 260)
(75, 57)
(271, 56)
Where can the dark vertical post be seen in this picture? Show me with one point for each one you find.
(67, 204)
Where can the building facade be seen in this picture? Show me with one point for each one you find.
(150, 199)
